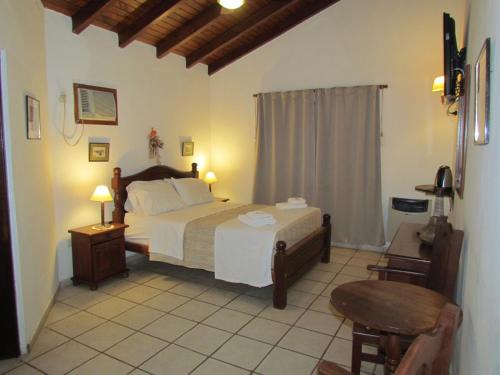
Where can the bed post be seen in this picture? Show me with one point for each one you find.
(118, 212)
(194, 170)
(328, 238)
(279, 291)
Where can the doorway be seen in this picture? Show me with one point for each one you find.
(9, 344)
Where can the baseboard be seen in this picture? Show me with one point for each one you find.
(41, 324)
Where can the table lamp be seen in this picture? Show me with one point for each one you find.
(210, 178)
(102, 194)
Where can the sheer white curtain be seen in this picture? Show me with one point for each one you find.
(324, 145)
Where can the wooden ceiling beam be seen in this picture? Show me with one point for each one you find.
(246, 24)
(130, 33)
(310, 8)
(188, 30)
(87, 14)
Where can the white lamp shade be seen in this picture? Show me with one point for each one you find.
(438, 84)
(231, 4)
(101, 194)
(210, 177)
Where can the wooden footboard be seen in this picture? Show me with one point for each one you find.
(290, 264)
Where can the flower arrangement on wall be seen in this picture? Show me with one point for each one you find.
(155, 144)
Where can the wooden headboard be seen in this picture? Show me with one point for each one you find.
(119, 184)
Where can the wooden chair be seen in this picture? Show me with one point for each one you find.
(441, 278)
(429, 354)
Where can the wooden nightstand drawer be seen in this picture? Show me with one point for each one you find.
(108, 258)
(107, 236)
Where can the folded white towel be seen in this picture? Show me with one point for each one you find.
(290, 206)
(296, 200)
(256, 223)
(259, 215)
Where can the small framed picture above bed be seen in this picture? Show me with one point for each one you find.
(98, 152)
(187, 148)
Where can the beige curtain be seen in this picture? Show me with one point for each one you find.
(324, 145)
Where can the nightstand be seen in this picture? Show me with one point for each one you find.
(98, 254)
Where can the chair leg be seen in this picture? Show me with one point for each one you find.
(357, 344)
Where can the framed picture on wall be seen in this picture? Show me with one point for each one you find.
(482, 96)
(461, 149)
(98, 152)
(33, 118)
(187, 148)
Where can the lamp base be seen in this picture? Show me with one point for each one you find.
(102, 227)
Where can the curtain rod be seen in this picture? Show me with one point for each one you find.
(381, 87)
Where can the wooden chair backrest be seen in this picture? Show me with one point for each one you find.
(445, 260)
(430, 354)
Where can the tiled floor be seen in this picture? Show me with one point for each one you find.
(171, 320)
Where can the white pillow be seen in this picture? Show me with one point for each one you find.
(192, 190)
(153, 197)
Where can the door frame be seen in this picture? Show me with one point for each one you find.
(8, 310)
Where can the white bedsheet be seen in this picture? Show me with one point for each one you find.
(244, 254)
(165, 232)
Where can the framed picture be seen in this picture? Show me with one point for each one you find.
(95, 105)
(482, 96)
(461, 149)
(33, 118)
(98, 151)
(187, 148)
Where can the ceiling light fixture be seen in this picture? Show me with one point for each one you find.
(231, 4)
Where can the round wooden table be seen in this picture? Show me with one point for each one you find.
(392, 307)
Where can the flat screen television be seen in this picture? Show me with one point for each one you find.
(453, 58)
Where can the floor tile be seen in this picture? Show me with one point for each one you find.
(63, 358)
(141, 276)
(228, 320)
(233, 287)
(105, 336)
(136, 349)
(264, 293)
(339, 352)
(102, 364)
(264, 330)
(70, 291)
(138, 317)
(203, 339)
(343, 251)
(60, 311)
(25, 370)
(355, 271)
(329, 289)
(111, 307)
(213, 367)
(195, 310)
(46, 340)
(166, 301)
(289, 315)
(139, 372)
(285, 362)
(168, 327)
(309, 286)
(343, 279)
(189, 289)
(243, 352)
(216, 296)
(329, 267)
(300, 299)
(360, 262)
(305, 342)
(77, 324)
(322, 304)
(9, 364)
(345, 331)
(340, 259)
(86, 299)
(247, 304)
(321, 276)
(163, 282)
(368, 254)
(116, 286)
(319, 322)
(139, 294)
(173, 360)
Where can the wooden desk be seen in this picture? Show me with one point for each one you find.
(391, 307)
(408, 253)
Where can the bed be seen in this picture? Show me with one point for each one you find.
(288, 263)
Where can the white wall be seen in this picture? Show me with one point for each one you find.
(355, 42)
(478, 213)
(151, 93)
(29, 168)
